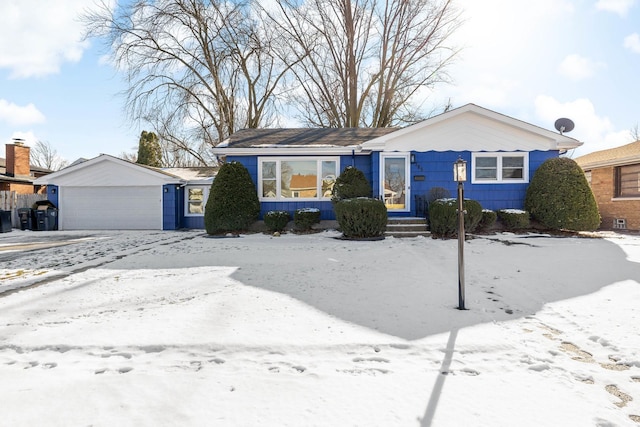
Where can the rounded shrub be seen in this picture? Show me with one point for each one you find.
(305, 218)
(351, 184)
(436, 193)
(276, 220)
(514, 219)
(559, 197)
(488, 219)
(361, 218)
(443, 216)
(233, 203)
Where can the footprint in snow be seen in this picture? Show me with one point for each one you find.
(624, 397)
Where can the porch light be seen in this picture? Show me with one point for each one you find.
(460, 170)
(459, 176)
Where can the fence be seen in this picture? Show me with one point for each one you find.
(12, 201)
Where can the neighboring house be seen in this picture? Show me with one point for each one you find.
(110, 193)
(296, 168)
(16, 172)
(614, 175)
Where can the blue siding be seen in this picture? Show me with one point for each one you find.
(193, 222)
(437, 170)
(361, 162)
(171, 203)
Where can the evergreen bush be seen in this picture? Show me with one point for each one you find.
(514, 219)
(559, 197)
(276, 220)
(361, 218)
(233, 203)
(436, 193)
(488, 219)
(443, 216)
(351, 184)
(305, 218)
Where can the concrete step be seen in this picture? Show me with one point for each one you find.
(407, 227)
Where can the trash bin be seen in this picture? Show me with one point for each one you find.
(45, 216)
(26, 220)
(52, 218)
(40, 220)
(5, 221)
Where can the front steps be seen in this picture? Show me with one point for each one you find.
(407, 227)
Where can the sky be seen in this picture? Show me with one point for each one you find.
(132, 328)
(535, 61)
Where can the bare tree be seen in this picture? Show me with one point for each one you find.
(635, 133)
(366, 63)
(45, 156)
(197, 70)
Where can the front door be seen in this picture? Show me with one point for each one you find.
(395, 180)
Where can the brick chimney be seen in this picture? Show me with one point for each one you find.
(18, 158)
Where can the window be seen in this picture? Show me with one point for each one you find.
(195, 200)
(627, 181)
(291, 178)
(500, 167)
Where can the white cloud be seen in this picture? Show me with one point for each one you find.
(20, 115)
(577, 67)
(28, 137)
(632, 42)
(621, 7)
(37, 37)
(597, 133)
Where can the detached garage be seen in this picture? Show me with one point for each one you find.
(107, 193)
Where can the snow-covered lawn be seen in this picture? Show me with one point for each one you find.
(176, 328)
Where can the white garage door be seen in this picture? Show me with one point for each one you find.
(111, 208)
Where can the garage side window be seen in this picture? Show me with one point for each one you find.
(196, 198)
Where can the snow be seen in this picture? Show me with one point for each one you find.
(176, 328)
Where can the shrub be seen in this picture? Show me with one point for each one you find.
(514, 219)
(276, 220)
(305, 218)
(488, 219)
(559, 197)
(351, 184)
(233, 203)
(361, 218)
(443, 216)
(436, 193)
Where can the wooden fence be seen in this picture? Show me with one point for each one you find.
(12, 201)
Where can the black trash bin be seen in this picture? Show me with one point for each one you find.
(5, 221)
(40, 220)
(45, 216)
(26, 218)
(52, 218)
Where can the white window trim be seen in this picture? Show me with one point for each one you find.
(278, 161)
(499, 156)
(205, 195)
(407, 177)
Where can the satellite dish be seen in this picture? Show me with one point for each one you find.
(564, 125)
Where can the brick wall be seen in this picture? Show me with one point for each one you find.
(18, 160)
(602, 184)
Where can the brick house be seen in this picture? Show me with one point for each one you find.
(16, 172)
(614, 175)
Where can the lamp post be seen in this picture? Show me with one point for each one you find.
(460, 176)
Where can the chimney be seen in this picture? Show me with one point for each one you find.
(18, 163)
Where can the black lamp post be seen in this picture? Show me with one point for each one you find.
(460, 176)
